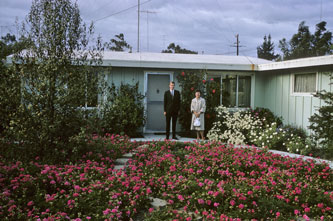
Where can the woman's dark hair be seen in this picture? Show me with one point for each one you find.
(197, 90)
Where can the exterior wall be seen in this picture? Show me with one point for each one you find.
(273, 91)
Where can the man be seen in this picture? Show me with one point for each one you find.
(171, 109)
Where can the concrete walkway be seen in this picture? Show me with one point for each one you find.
(154, 137)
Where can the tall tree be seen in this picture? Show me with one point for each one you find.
(56, 73)
(118, 43)
(304, 44)
(266, 50)
(9, 81)
(172, 48)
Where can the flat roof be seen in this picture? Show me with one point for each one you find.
(181, 61)
(297, 63)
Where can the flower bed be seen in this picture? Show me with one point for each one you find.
(211, 181)
(87, 189)
(215, 182)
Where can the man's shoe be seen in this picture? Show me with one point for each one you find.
(175, 138)
(167, 138)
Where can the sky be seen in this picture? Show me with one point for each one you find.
(205, 26)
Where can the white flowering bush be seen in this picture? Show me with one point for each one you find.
(284, 139)
(271, 136)
(233, 128)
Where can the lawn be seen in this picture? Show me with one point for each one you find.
(211, 181)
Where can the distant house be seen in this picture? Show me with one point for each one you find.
(285, 88)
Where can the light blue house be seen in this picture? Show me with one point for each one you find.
(286, 88)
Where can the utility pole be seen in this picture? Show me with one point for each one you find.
(151, 12)
(138, 46)
(237, 44)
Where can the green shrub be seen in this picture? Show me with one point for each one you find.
(189, 82)
(267, 117)
(321, 123)
(123, 113)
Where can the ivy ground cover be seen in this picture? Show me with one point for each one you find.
(211, 181)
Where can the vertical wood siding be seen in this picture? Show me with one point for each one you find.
(273, 91)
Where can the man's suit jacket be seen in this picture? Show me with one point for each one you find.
(171, 103)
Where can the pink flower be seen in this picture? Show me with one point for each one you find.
(183, 73)
(232, 202)
(306, 217)
(307, 209)
(277, 214)
(240, 206)
(180, 197)
(201, 201)
(296, 212)
(52, 182)
(216, 204)
(30, 203)
(203, 81)
(88, 217)
(151, 210)
(106, 212)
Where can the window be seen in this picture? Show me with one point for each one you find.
(304, 83)
(229, 86)
(236, 90)
(244, 91)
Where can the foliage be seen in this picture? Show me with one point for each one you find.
(189, 83)
(55, 76)
(212, 96)
(304, 44)
(123, 112)
(321, 123)
(266, 50)
(214, 182)
(118, 43)
(210, 181)
(266, 116)
(10, 95)
(87, 187)
(172, 48)
(234, 128)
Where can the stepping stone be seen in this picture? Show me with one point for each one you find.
(119, 167)
(122, 161)
(158, 203)
(128, 155)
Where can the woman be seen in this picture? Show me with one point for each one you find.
(198, 108)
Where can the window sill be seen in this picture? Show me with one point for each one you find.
(303, 94)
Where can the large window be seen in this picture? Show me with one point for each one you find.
(235, 90)
(304, 83)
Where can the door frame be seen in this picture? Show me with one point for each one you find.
(146, 75)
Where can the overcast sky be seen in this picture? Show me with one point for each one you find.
(208, 26)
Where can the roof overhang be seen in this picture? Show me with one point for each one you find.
(181, 61)
(297, 63)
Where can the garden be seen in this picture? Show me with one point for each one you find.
(208, 181)
(62, 128)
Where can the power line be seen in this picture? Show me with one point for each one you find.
(124, 10)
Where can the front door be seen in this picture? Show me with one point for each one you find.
(157, 84)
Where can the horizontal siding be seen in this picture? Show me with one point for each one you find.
(273, 91)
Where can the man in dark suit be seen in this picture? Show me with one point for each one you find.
(171, 109)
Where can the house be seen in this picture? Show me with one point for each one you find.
(285, 88)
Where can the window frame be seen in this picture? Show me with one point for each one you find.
(212, 74)
(303, 94)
